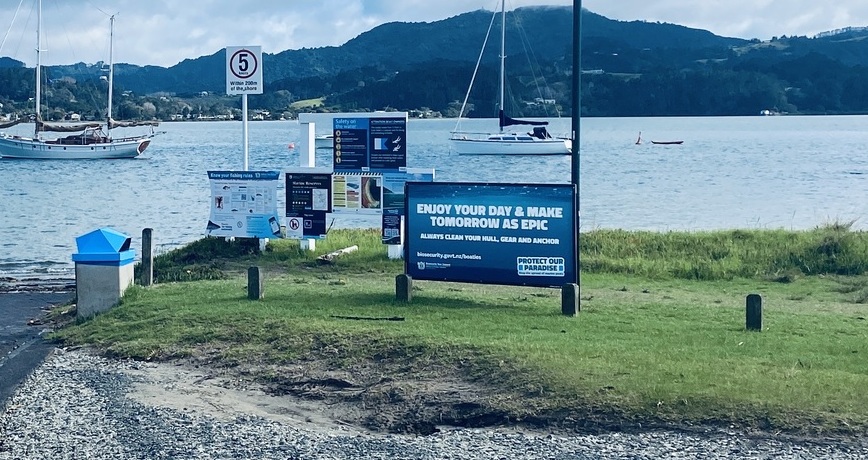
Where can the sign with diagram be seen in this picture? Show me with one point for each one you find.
(244, 204)
(377, 143)
(357, 193)
(392, 222)
(371, 193)
(308, 199)
(308, 189)
(510, 234)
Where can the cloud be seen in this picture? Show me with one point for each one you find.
(165, 32)
(761, 19)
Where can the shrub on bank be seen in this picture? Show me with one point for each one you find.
(707, 256)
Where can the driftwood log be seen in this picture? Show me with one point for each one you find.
(370, 318)
(330, 257)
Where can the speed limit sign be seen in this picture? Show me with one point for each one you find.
(243, 70)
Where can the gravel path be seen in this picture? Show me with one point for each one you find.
(77, 405)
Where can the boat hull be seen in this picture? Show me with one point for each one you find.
(324, 141)
(517, 147)
(12, 147)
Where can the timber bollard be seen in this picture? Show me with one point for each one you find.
(403, 288)
(754, 312)
(147, 257)
(254, 283)
(570, 299)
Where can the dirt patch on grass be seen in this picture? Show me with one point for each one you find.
(389, 397)
(381, 399)
(364, 398)
(369, 395)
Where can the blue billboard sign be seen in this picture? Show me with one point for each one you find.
(511, 234)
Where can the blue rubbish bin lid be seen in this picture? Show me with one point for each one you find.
(104, 245)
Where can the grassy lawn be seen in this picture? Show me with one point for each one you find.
(660, 339)
(306, 103)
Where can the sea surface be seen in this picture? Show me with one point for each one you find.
(758, 172)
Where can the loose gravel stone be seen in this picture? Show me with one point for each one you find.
(77, 405)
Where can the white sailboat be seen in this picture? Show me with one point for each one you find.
(324, 141)
(538, 141)
(89, 140)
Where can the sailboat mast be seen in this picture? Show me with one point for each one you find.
(502, 60)
(111, 74)
(38, 98)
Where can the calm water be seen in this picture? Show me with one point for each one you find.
(738, 172)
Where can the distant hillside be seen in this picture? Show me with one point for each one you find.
(630, 68)
(400, 46)
(6, 62)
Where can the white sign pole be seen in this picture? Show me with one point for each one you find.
(244, 121)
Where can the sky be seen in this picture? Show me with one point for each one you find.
(165, 32)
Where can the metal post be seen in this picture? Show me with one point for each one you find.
(147, 257)
(754, 312)
(570, 299)
(254, 283)
(576, 129)
(403, 288)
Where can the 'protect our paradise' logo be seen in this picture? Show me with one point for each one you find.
(541, 266)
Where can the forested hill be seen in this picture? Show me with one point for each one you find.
(633, 68)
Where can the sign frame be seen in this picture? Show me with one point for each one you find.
(491, 233)
(243, 204)
(306, 194)
(243, 70)
(373, 143)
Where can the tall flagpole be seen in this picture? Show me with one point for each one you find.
(111, 75)
(576, 127)
(38, 68)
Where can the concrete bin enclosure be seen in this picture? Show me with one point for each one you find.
(103, 270)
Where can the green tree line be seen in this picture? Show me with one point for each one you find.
(809, 84)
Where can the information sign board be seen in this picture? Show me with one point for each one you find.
(370, 144)
(511, 234)
(310, 190)
(357, 193)
(244, 204)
